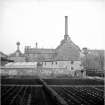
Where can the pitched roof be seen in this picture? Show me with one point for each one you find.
(2, 54)
(67, 50)
(39, 50)
(20, 54)
(21, 65)
(95, 51)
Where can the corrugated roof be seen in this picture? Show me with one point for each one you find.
(21, 65)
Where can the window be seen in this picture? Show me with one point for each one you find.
(52, 62)
(72, 62)
(45, 63)
(72, 68)
(80, 64)
(56, 63)
(27, 54)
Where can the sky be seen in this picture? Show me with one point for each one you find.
(43, 21)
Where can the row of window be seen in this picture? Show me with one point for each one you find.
(45, 63)
(40, 64)
(55, 62)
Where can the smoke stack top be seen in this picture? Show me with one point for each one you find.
(66, 25)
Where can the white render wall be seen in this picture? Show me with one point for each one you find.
(63, 64)
(48, 68)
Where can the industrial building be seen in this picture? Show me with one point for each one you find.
(65, 57)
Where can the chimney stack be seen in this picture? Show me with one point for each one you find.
(66, 25)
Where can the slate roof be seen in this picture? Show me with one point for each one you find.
(14, 54)
(40, 50)
(67, 50)
(21, 65)
(2, 54)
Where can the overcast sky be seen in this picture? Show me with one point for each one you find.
(42, 21)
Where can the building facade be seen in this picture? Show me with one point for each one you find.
(65, 56)
(17, 56)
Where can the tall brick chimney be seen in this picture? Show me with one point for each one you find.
(66, 36)
(66, 25)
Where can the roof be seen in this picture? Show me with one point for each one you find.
(67, 50)
(21, 65)
(15, 54)
(5, 59)
(96, 51)
(2, 54)
(39, 50)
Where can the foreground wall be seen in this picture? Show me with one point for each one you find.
(70, 65)
(51, 68)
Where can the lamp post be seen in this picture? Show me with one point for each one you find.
(85, 51)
